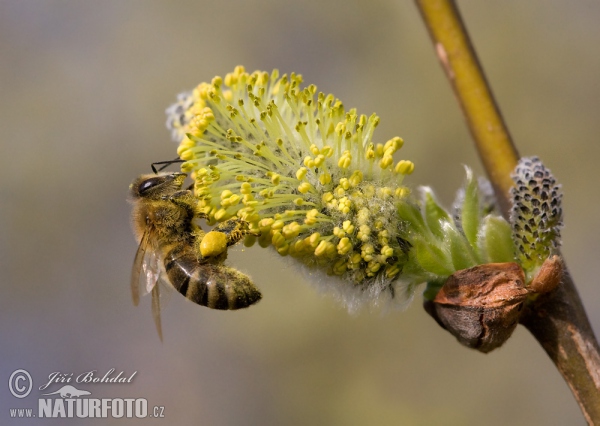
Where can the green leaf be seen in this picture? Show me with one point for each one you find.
(497, 242)
(432, 258)
(470, 214)
(411, 213)
(435, 215)
(460, 250)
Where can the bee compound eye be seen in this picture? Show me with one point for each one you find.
(148, 184)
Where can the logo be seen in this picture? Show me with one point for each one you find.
(14, 383)
(70, 401)
(68, 391)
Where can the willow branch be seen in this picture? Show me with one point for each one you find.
(557, 320)
(459, 61)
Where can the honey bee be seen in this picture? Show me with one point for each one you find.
(175, 250)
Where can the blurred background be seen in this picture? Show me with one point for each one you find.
(84, 85)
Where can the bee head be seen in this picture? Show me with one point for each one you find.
(156, 186)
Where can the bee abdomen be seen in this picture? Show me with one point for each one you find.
(213, 286)
(220, 287)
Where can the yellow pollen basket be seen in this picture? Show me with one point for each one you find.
(214, 243)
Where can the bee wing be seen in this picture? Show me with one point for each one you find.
(156, 310)
(153, 280)
(138, 264)
(161, 294)
(152, 270)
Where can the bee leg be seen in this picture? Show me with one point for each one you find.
(182, 196)
(184, 199)
(235, 229)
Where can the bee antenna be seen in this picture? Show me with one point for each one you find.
(165, 164)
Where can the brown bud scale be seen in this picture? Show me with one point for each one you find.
(549, 275)
(481, 306)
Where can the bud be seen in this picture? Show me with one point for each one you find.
(481, 306)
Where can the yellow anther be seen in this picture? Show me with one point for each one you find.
(367, 249)
(386, 161)
(300, 246)
(345, 160)
(187, 167)
(291, 230)
(379, 150)
(321, 248)
(314, 239)
(398, 141)
(314, 150)
(327, 151)
(364, 232)
(338, 232)
(387, 251)
(348, 227)
(402, 192)
(373, 266)
(304, 187)
(298, 201)
(301, 173)
(392, 271)
(320, 159)
(214, 243)
(355, 259)
(278, 240)
(383, 237)
(356, 178)
(384, 192)
(185, 144)
(325, 178)
(309, 162)
(277, 225)
(340, 267)
(266, 193)
(344, 246)
(275, 179)
(404, 167)
(245, 188)
(344, 183)
(327, 197)
(311, 217)
(363, 216)
(188, 154)
(220, 214)
(283, 250)
(339, 192)
(251, 217)
(344, 205)
(234, 199)
(332, 204)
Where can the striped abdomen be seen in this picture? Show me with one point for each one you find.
(213, 285)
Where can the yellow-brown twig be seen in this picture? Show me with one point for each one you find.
(557, 320)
